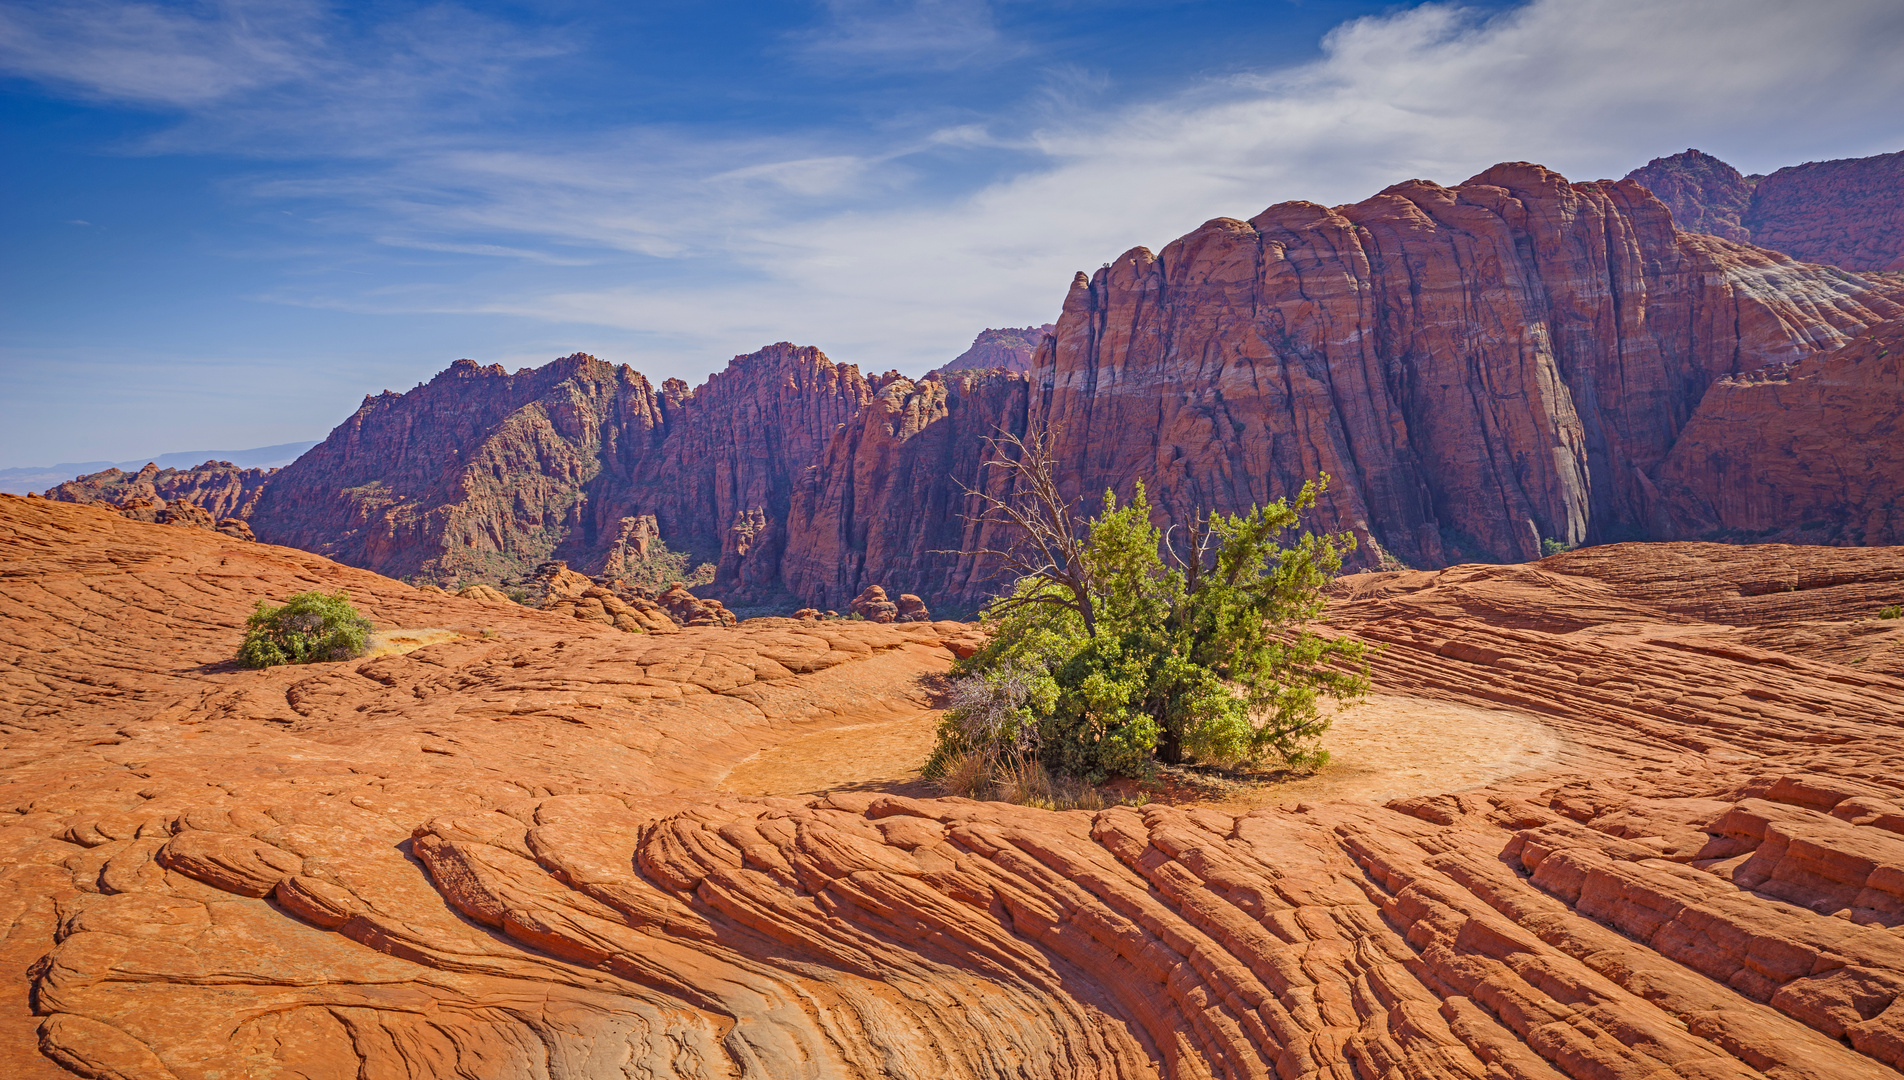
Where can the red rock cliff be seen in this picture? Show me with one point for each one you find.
(1706, 195)
(1808, 453)
(1848, 213)
(1478, 367)
(480, 474)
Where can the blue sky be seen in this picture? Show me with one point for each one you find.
(222, 223)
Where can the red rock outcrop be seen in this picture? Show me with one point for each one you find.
(1008, 350)
(1706, 195)
(1811, 452)
(1848, 212)
(886, 503)
(482, 474)
(1479, 368)
(223, 489)
(871, 604)
(500, 856)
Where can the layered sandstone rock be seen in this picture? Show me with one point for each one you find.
(871, 604)
(1811, 452)
(501, 855)
(484, 474)
(887, 502)
(1477, 368)
(224, 490)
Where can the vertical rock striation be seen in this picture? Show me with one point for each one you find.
(1479, 368)
(886, 503)
(1808, 453)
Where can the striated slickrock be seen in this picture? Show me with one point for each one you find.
(1010, 349)
(1809, 452)
(1848, 213)
(502, 855)
(224, 490)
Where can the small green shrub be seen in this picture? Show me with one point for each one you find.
(309, 628)
(1891, 611)
(1551, 546)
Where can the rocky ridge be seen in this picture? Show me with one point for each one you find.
(220, 488)
(1848, 213)
(1481, 369)
(1009, 350)
(1706, 195)
(1809, 452)
(501, 855)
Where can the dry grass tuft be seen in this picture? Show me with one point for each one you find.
(1024, 782)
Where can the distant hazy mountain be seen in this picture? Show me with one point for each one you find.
(19, 481)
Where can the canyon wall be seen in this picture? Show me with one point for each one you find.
(477, 473)
(481, 475)
(1480, 369)
(1807, 453)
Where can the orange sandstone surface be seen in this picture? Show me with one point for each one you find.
(502, 853)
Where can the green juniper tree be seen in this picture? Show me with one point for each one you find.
(310, 627)
(1120, 644)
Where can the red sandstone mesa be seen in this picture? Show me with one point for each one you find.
(1478, 368)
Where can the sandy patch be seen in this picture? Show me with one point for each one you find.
(885, 756)
(1388, 746)
(1383, 747)
(397, 642)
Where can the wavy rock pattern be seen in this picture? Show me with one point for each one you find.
(498, 856)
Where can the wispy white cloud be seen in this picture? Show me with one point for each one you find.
(869, 245)
(154, 54)
(1591, 87)
(880, 34)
